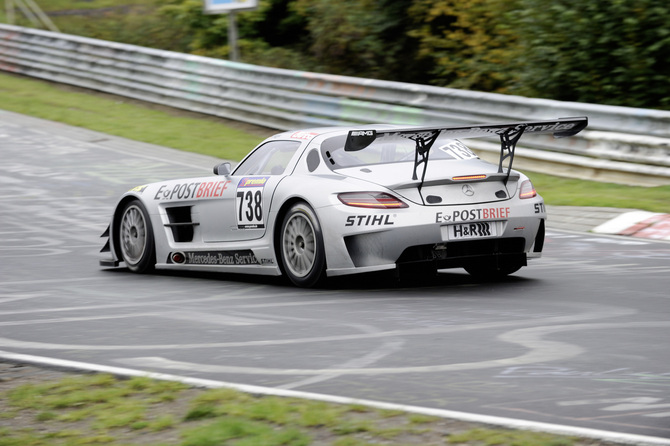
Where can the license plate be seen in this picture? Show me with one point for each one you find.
(472, 230)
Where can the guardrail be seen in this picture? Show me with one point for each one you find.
(631, 144)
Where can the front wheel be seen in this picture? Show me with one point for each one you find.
(301, 243)
(136, 238)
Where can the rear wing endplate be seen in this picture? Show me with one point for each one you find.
(509, 135)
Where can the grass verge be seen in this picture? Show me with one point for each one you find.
(224, 139)
(128, 118)
(100, 409)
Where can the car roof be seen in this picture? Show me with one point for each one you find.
(309, 133)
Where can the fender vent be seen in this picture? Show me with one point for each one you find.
(181, 223)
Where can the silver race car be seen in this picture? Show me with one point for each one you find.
(334, 201)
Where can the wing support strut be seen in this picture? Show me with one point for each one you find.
(508, 140)
(424, 141)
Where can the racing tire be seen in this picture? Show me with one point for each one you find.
(492, 272)
(136, 238)
(302, 251)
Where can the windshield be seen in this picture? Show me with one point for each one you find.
(271, 158)
(392, 148)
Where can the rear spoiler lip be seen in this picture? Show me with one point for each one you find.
(446, 181)
(560, 128)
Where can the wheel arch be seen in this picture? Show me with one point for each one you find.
(116, 223)
(276, 230)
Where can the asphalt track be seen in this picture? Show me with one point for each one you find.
(578, 338)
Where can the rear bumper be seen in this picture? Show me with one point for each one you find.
(402, 243)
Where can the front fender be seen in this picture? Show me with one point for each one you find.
(112, 232)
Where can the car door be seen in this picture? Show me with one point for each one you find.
(241, 211)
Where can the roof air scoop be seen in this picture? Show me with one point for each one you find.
(359, 139)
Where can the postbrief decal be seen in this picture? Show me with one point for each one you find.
(249, 202)
(184, 191)
(473, 214)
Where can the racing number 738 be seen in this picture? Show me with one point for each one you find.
(250, 208)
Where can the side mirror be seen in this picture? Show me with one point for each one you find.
(222, 169)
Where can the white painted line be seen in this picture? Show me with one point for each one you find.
(512, 423)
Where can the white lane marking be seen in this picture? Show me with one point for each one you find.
(213, 318)
(20, 296)
(386, 349)
(512, 423)
(642, 403)
(540, 351)
(202, 318)
(599, 313)
(244, 294)
(49, 281)
(389, 347)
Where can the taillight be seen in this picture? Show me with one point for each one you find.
(527, 190)
(371, 200)
(468, 177)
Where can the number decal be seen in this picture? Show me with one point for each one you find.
(249, 203)
(458, 150)
(258, 205)
(250, 212)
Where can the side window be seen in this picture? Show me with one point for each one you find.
(271, 158)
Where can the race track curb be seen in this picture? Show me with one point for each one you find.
(640, 224)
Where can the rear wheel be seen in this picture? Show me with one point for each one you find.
(301, 242)
(136, 238)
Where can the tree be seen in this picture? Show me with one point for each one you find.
(598, 51)
(365, 38)
(467, 41)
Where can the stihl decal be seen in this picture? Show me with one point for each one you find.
(369, 220)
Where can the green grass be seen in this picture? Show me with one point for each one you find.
(499, 437)
(101, 409)
(211, 136)
(123, 117)
(58, 5)
(571, 192)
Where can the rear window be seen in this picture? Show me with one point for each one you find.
(389, 149)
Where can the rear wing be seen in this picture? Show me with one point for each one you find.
(509, 135)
